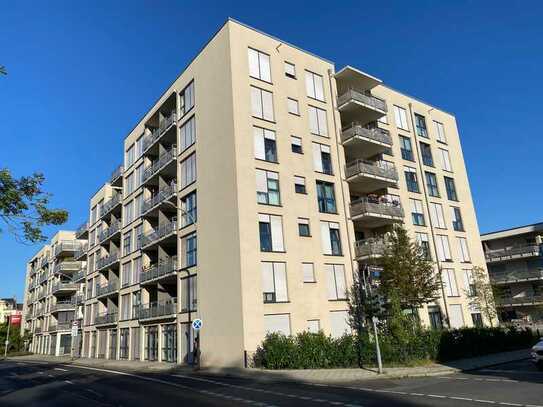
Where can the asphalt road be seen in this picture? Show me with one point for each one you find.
(47, 384)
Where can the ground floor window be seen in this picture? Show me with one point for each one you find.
(187, 343)
(113, 344)
(151, 343)
(102, 343)
(65, 344)
(434, 314)
(169, 343)
(477, 319)
(123, 347)
(135, 345)
(52, 344)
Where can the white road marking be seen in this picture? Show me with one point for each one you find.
(484, 401)
(67, 381)
(503, 403)
(510, 371)
(62, 370)
(479, 379)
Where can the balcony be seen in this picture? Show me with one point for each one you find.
(113, 203)
(362, 142)
(43, 278)
(369, 249)
(62, 306)
(358, 105)
(113, 231)
(156, 310)
(512, 253)
(107, 261)
(163, 165)
(107, 289)
(82, 231)
(64, 288)
(78, 299)
(67, 248)
(367, 176)
(37, 330)
(81, 251)
(66, 267)
(519, 276)
(527, 300)
(165, 125)
(117, 176)
(374, 212)
(161, 196)
(159, 271)
(106, 318)
(80, 275)
(161, 233)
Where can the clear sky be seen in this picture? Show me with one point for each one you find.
(82, 73)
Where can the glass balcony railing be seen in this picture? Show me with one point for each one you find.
(106, 318)
(164, 125)
(159, 197)
(513, 252)
(516, 276)
(67, 267)
(377, 207)
(65, 247)
(370, 248)
(106, 261)
(107, 288)
(116, 174)
(158, 270)
(158, 234)
(157, 309)
(62, 286)
(359, 97)
(110, 231)
(375, 134)
(110, 204)
(373, 169)
(62, 306)
(520, 300)
(82, 230)
(157, 165)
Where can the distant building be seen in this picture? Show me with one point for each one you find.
(8, 307)
(515, 265)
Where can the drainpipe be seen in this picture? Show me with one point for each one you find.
(426, 196)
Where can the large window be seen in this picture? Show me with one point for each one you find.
(417, 214)
(422, 241)
(125, 307)
(314, 85)
(169, 343)
(136, 270)
(443, 249)
(188, 206)
(420, 124)
(129, 184)
(267, 187)
(457, 222)
(445, 160)
(411, 179)
(434, 314)
(293, 106)
(400, 117)
(188, 170)
(308, 272)
(451, 189)
(127, 243)
(271, 233)
(339, 323)
(440, 132)
(187, 134)
(331, 240)
(124, 341)
(128, 213)
(259, 65)
(186, 98)
(406, 149)
(436, 214)
(431, 184)
(317, 121)
(426, 153)
(264, 144)
(189, 251)
(322, 160)
(138, 175)
(449, 282)
(277, 323)
(130, 156)
(189, 293)
(326, 198)
(274, 282)
(126, 274)
(335, 275)
(463, 251)
(262, 104)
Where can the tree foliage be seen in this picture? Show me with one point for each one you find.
(481, 295)
(24, 207)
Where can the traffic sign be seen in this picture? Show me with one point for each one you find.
(197, 324)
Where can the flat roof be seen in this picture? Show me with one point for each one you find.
(518, 230)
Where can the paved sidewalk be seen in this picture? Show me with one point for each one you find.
(303, 375)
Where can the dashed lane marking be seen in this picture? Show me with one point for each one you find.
(62, 370)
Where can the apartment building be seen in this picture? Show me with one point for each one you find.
(252, 191)
(514, 260)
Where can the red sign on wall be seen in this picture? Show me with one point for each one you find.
(15, 319)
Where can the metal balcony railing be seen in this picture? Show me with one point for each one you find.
(152, 138)
(370, 247)
(368, 206)
(118, 172)
(110, 204)
(526, 300)
(107, 288)
(159, 197)
(63, 305)
(65, 246)
(375, 134)
(157, 309)
(516, 251)
(81, 230)
(516, 276)
(67, 266)
(60, 286)
(376, 169)
(367, 100)
(157, 165)
(38, 330)
(83, 247)
(78, 299)
(158, 270)
(105, 261)
(80, 275)
(110, 231)
(159, 233)
(43, 278)
(105, 318)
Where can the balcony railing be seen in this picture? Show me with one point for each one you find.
(43, 278)
(107, 288)
(157, 309)
(516, 276)
(110, 231)
(150, 139)
(118, 172)
(159, 270)
(162, 160)
(376, 134)
(82, 250)
(159, 233)
(370, 247)
(66, 246)
(105, 261)
(105, 318)
(80, 275)
(81, 230)
(79, 298)
(512, 252)
(63, 305)
(65, 287)
(375, 169)
(159, 197)
(377, 207)
(67, 266)
(38, 330)
(359, 97)
(110, 204)
(526, 300)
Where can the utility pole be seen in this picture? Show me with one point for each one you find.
(374, 319)
(6, 344)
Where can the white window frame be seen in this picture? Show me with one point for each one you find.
(400, 118)
(293, 106)
(280, 321)
(276, 228)
(314, 84)
(290, 70)
(445, 159)
(260, 134)
(308, 273)
(443, 248)
(259, 65)
(326, 237)
(262, 104)
(188, 171)
(275, 283)
(463, 250)
(440, 132)
(336, 282)
(318, 149)
(318, 121)
(187, 133)
(262, 178)
(449, 282)
(437, 215)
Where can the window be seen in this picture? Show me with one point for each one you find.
(400, 117)
(317, 121)
(303, 227)
(290, 70)
(128, 213)
(431, 184)
(434, 315)
(127, 243)
(339, 323)
(322, 160)
(299, 185)
(267, 187)
(189, 251)
(93, 215)
(139, 147)
(125, 307)
(277, 323)
(138, 205)
(129, 156)
(406, 148)
(271, 233)
(187, 134)
(313, 326)
(445, 160)
(426, 153)
(314, 86)
(326, 198)
(259, 65)
(129, 184)
(136, 270)
(443, 249)
(331, 240)
(383, 119)
(417, 214)
(420, 124)
(169, 343)
(469, 284)
(449, 283)
(188, 206)
(188, 170)
(335, 274)
(411, 179)
(262, 104)
(477, 319)
(457, 222)
(265, 147)
(436, 215)
(463, 252)
(274, 282)
(189, 293)
(451, 189)
(440, 132)
(308, 272)
(296, 144)
(186, 99)
(293, 107)
(422, 241)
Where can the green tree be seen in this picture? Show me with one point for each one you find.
(24, 207)
(3, 70)
(481, 294)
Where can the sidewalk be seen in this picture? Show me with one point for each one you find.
(303, 375)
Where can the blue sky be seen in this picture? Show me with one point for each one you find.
(82, 74)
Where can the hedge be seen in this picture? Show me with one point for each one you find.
(316, 350)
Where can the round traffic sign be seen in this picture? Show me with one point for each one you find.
(197, 324)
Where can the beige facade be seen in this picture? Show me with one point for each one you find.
(298, 172)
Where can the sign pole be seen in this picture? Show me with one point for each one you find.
(377, 347)
(7, 338)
